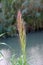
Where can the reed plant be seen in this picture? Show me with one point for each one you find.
(22, 36)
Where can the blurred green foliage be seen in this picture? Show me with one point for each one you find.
(31, 16)
(18, 61)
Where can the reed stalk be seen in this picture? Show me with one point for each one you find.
(22, 34)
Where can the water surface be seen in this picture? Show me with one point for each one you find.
(34, 47)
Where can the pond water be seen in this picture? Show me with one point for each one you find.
(34, 47)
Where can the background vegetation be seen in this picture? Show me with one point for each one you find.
(32, 13)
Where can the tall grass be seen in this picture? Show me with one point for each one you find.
(21, 30)
(22, 36)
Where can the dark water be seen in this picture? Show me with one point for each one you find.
(34, 47)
